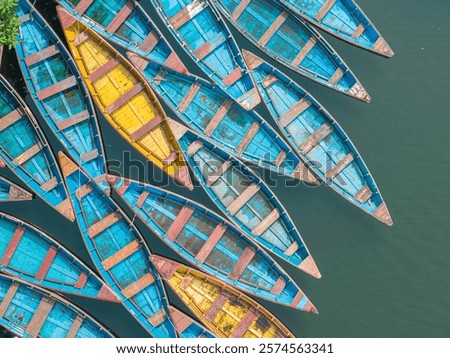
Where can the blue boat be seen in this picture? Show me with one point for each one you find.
(12, 192)
(343, 19)
(29, 311)
(119, 252)
(24, 149)
(209, 111)
(318, 139)
(205, 37)
(125, 23)
(59, 92)
(244, 199)
(211, 243)
(292, 42)
(29, 253)
(188, 327)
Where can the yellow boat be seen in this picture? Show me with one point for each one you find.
(227, 312)
(125, 99)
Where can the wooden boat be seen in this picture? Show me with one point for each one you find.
(318, 138)
(24, 149)
(227, 312)
(29, 253)
(125, 99)
(126, 24)
(291, 42)
(188, 327)
(211, 243)
(10, 191)
(119, 252)
(1, 55)
(29, 311)
(209, 111)
(343, 19)
(245, 199)
(58, 91)
(205, 37)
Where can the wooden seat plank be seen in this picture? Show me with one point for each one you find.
(80, 38)
(240, 9)
(281, 157)
(269, 80)
(144, 195)
(40, 316)
(41, 55)
(81, 281)
(104, 69)
(306, 49)
(273, 28)
(121, 255)
(232, 77)
(194, 147)
(358, 32)
(103, 224)
(126, 97)
(277, 288)
(337, 75)
(120, 18)
(209, 245)
(73, 120)
(158, 318)
(87, 157)
(57, 88)
(187, 13)
(217, 118)
(83, 190)
(28, 154)
(76, 324)
(265, 223)
(11, 118)
(209, 46)
(50, 184)
(327, 5)
(364, 194)
(8, 298)
(340, 166)
(254, 128)
(216, 306)
(218, 173)
(12, 245)
(46, 263)
(296, 299)
(138, 285)
(179, 222)
(83, 5)
(242, 263)
(146, 128)
(243, 198)
(297, 109)
(189, 97)
(244, 324)
(291, 249)
(149, 42)
(316, 137)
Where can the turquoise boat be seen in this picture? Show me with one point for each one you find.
(125, 23)
(24, 149)
(244, 199)
(12, 192)
(292, 42)
(59, 92)
(119, 252)
(343, 19)
(205, 37)
(188, 327)
(30, 254)
(209, 111)
(211, 243)
(318, 139)
(29, 311)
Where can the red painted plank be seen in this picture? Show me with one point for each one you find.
(82, 279)
(83, 5)
(170, 158)
(146, 128)
(41, 55)
(244, 324)
(73, 120)
(57, 88)
(242, 263)
(144, 195)
(48, 260)
(138, 88)
(149, 42)
(216, 306)
(232, 77)
(120, 18)
(103, 70)
(12, 246)
(209, 245)
(179, 222)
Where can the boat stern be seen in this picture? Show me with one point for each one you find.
(382, 48)
(382, 214)
(309, 266)
(359, 92)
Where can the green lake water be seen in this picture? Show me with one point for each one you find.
(378, 281)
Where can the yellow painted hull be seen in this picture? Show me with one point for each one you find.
(124, 98)
(221, 308)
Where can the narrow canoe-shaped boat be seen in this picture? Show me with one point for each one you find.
(209, 111)
(1, 55)
(224, 310)
(119, 252)
(10, 191)
(29, 311)
(245, 199)
(291, 42)
(58, 91)
(125, 23)
(188, 327)
(205, 37)
(343, 19)
(318, 138)
(211, 243)
(125, 99)
(24, 149)
(29, 253)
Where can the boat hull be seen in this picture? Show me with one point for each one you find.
(12, 192)
(188, 327)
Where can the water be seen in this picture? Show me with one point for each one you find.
(377, 281)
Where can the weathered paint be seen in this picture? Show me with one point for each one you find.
(29, 253)
(214, 114)
(119, 252)
(123, 96)
(292, 42)
(343, 19)
(29, 311)
(188, 327)
(318, 139)
(205, 37)
(224, 310)
(24, 149)
(46, 64)
(10, 191)
(136, 31)
(246, 200)
(210, 243)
